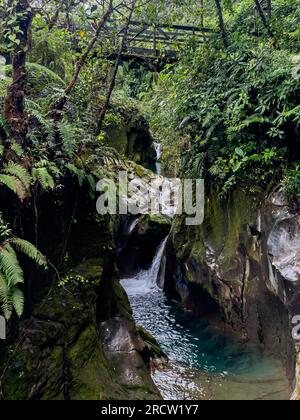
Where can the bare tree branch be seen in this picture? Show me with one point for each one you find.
(116, 68)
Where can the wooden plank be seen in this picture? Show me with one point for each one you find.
(163, 40)
(149, 53)
(187, 28)
(170, 36)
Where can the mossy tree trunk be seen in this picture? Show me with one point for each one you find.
(14, 109)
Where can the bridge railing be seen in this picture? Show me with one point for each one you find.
(156, 39)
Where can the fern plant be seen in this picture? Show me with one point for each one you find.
(4, 125)
(11, 273)
(47, 126)
(44, 172)
(16, 178)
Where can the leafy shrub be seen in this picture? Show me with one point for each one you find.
(291, 183)
(11, 273)
(239, 111)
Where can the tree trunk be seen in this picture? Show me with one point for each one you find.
(115, 71)
(269, 8)
(14, 101)
(202, 14)
(264, 18)
(221, 23)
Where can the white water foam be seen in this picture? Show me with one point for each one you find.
(146, 280)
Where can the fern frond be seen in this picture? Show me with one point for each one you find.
(4, 125)
(80, 173)
(18, 301)
(11, 274)
(19, 172)
(39, 70)
(4, 290)
(54, 170)
(45, 71)
(67, 134)
(43, 176)
(7, 308)
(17, 148)
(10, 267)
(15, 185)
(10, 298)
(47, 126)
(29, 250)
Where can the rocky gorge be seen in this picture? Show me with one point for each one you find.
(79, 339)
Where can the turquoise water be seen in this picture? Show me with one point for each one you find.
(203, 363)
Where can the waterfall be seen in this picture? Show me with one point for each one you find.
(146, 280)
(154, 270)
(133, 225)
(158, 150)
(158, 165)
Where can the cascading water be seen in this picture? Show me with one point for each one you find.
(146, 280)
(158, 165)
(133, 225)
(154, 271)
(204, 364)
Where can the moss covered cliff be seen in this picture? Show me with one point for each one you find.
(241, 266)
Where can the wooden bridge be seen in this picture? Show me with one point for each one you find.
(152, 40)
(158, 41)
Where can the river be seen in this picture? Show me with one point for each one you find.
(204, 364)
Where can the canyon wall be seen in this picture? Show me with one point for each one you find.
(241, 266)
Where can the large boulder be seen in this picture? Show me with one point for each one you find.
(59, 350)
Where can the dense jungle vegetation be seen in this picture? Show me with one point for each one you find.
(227, 109)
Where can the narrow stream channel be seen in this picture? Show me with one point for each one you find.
(203, 365)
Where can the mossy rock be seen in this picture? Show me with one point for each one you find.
(14, 382)
(154, 224)
(90, 373)
(152, 343)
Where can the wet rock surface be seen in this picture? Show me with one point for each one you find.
(139, 244)
(242, 263)
(133, 139)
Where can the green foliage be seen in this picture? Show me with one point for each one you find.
(52, 50)
(40, 78)
(4, 125)
(19, 172)
(44, 172)
(230, 116)
(5, 231)
(68, 136)
(11, 273)
(73, 280)
(291, 183)
(26, 248)
(234, 115)
(16, 178)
